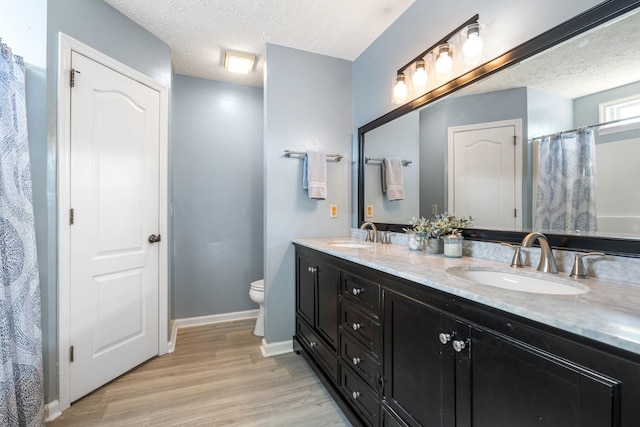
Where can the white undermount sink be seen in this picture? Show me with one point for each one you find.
(518, 282)
(350, 244)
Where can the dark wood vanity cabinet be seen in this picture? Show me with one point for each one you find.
(317, 310)
(425, 358)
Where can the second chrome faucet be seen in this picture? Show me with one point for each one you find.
(547, 260)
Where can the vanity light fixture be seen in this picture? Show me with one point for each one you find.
(238, 62)
(443, 59)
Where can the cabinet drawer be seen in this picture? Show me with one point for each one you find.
(360, 325)
(360, 395)
(320, 351)
(361, 360)
(363, 292)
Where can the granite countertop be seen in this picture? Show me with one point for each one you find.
(609, 312)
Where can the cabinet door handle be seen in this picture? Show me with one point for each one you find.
(356, 360)
(459, 345)
(357, 291)
(312, 269)
(312, 344)
(355, 394)
(356, 326)
(444, 338)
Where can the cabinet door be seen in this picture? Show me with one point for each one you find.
(514, 384)
(418, 369)
(305, 294)
(327, 306)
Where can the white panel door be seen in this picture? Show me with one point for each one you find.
(115, 126)
(483, 178)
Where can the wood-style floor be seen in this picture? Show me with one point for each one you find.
(215, 377)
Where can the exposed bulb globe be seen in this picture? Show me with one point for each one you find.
(444, 63)
(400, 91)
(472, 48)
(420, 77)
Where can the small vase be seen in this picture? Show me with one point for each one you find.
(433, 246)
(414, 242)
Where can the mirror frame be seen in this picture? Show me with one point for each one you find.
(587, 20)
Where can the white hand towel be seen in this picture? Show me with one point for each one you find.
(314, 175)
(392, 179)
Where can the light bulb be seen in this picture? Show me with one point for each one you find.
(400, 90)
(472, 48)
(444, 63)
(420, 76)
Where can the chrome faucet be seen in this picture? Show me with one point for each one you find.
(547, 261)
(374, 229)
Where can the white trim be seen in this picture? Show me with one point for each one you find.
(207, 320)
(66, 45)
(52, 411)
(276, 348)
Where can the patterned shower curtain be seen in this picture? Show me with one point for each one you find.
(21, 390)
(566, 199)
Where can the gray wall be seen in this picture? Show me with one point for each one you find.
(307, 107)
(96, 24)
(218, 174)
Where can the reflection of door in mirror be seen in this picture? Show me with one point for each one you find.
(485, 173)
(400, 139)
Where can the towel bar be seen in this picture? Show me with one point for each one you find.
(371, 159)
(289, 153)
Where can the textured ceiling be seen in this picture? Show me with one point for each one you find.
(199, 31)
(603, 58)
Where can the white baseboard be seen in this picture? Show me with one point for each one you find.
(52, 411)
(206, 320)
(275, 348)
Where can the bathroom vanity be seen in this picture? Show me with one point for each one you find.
(399, 341)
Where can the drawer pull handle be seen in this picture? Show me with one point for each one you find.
(356, 360)
(312, 269)
(458, 345)
(355, 394)
(357, 291)
(312, 344)
(444, 338)
(356, 326)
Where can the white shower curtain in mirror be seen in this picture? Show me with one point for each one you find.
(566, 189)
(21, 390)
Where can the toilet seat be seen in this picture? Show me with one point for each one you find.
(258, 285)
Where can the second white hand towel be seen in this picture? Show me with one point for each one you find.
(393, 179)
(314, 175)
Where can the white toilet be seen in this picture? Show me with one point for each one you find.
(256, 293)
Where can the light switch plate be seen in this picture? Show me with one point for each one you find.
(333, 211)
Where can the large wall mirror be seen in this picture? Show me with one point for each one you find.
(486, 143)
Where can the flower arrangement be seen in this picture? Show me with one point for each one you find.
(439, 226)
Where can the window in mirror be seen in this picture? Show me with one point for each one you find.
(619, 110)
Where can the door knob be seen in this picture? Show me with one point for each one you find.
(154, 239)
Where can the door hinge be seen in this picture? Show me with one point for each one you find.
(71, 216)
(515, 213)
(72, 78)
(71, 354)
(514, 140)
(380, 383)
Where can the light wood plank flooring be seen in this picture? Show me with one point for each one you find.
(215, 377)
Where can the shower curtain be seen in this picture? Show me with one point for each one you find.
(566, 190)
(21, 390)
